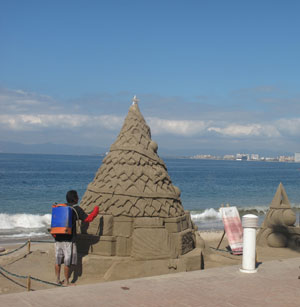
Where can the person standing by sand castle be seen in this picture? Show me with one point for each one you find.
(65, 244)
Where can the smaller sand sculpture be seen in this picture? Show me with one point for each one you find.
(278, 228)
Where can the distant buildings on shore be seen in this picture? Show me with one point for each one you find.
(250, 157)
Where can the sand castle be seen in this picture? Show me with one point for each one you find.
(141, 216)
(278, 228)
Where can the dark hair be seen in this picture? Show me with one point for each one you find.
(72, 197)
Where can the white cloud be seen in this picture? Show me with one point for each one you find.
(31, 116)
(201, 127)
(159, 126)
(18, 101)
(254, 130)
(179, 127)
(289, 126)
(110, 122)
(61, 121)
(29, 102)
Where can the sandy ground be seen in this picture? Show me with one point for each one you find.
(39, 262)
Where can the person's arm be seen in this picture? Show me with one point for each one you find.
(92, 215)
(85, 217)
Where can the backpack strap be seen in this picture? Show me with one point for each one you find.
(78, 222)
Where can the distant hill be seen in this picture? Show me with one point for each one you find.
(50, 148)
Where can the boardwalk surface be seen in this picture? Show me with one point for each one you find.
(275, 284)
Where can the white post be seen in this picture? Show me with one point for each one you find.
(250, 222)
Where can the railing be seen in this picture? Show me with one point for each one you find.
(28, 277)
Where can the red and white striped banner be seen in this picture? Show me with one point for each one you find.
(233, 228)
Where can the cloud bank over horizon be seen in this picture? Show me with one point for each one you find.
(33, 118)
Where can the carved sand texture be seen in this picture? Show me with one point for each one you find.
(132, 180)
(141, 215)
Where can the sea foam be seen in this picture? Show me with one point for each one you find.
(208, 214)
(22, 220)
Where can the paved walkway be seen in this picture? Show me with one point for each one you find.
(275, 284)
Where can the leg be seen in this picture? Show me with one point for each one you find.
(67, 274)
(76, 269)
(57, 272)
(58, 260)
(70, 259)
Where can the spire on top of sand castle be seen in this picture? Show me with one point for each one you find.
(132, 180)
(280, 200)
(135, 100)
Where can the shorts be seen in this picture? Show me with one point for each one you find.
(65, 252)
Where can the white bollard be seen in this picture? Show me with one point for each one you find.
(250, 222)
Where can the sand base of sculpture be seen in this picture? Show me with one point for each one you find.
(117, 268)
(279, 236)
(127, 247)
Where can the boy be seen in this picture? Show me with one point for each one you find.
(65, 244)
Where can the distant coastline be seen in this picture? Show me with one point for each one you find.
(8, 147)
(249, 157)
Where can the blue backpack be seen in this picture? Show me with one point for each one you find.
(62, 218)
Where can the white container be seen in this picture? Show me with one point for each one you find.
(250, 223)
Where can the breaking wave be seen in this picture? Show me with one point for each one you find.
(24, 225)
(207, 214)
(33, 225)
(214, 214)
(211, 219)
(11, 221)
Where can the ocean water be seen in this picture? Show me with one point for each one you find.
(30, 184)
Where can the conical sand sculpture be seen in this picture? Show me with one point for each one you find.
(278, 228)
(133, 181)
(141, 215)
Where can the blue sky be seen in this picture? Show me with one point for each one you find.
(212, 76)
